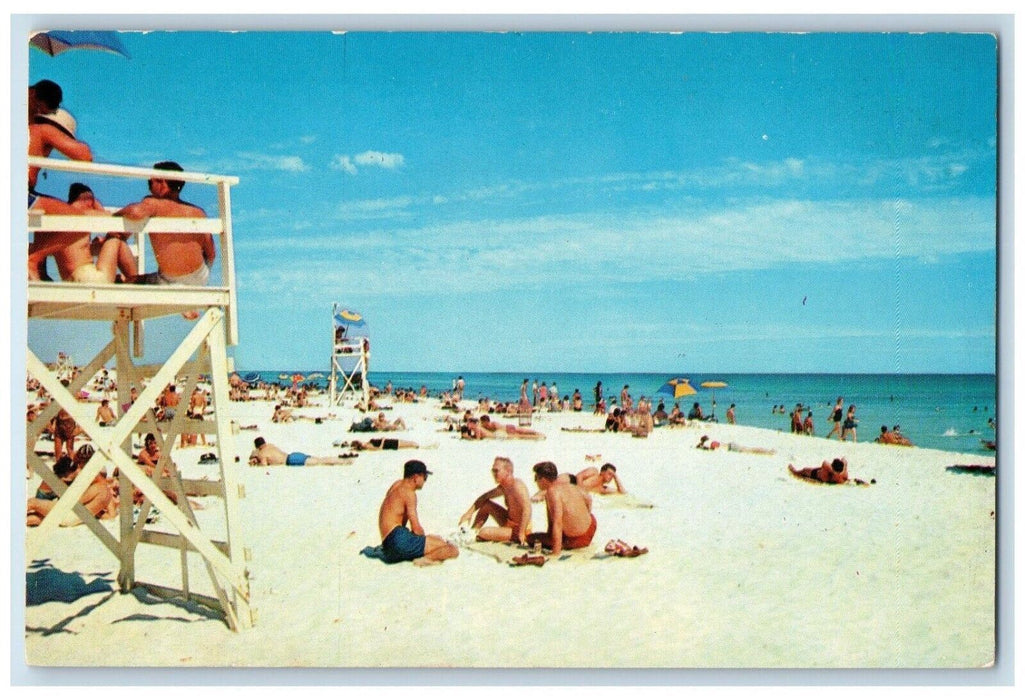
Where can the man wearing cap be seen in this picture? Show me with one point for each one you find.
(182, 258)
(402, 543)
(571, 525)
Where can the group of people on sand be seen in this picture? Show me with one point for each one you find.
(567, 498)
(893, 437)
(182, 258)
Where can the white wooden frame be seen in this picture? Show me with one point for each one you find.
(202, 351)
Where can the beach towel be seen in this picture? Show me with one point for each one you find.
(505, 552)
(973, 469)
(374, 552)
(622, 500)
(816, 482)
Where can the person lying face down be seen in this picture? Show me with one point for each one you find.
(834, 472)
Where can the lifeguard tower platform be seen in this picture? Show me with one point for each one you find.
(202, 352)
(350, 357)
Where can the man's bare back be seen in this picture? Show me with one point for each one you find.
(398, 508)
(269, 455)
(177, 254)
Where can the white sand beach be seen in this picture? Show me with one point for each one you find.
(747, 566)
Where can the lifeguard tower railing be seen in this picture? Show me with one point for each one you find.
(201, 353)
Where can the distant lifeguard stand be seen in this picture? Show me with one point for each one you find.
(201, 352)
(350, 356)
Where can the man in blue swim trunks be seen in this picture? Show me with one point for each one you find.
(402, 543)
(269, 455)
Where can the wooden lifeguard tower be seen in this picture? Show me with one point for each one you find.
(350, 357)
(201, 352)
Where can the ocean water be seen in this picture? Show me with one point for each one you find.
(940, 411)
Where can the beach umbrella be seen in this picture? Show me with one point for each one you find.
(286, 377)
(677, 388)
(713, 386)
(345, 317)
(315, 375)
(56, 42)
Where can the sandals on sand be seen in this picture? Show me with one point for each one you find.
(528, 560)
(619, 548)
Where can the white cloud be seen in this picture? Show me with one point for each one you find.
(389, 161)
(367, 159)
(263, 161)
(470, 255)
(343, 163)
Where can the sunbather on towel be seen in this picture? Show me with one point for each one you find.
(834, 472)
(604, 480)
(270, 455)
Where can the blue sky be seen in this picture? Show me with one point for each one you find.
(697, 202)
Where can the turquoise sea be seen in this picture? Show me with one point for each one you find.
(940, 411)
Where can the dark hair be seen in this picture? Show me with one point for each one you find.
(572, 478)
(607, 466)
(838, 465)
(175, 185)
(49, 93)
(883, 429)
(76, 190)
(84, 454)
(259, 442)
(546, 470)
(64, 466)
(150, 436)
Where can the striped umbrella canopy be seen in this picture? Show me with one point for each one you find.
(56, 42)
(677, 388)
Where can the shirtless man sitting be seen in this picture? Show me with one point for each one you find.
(571, 525)
(182, 258)
(834, 472)
(95, 498)
(513, 519)
(75, 261)
(105, 414)
(402, 543)
(381, 423)
(269, 455)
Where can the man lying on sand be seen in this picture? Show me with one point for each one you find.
(401, 543)
(383, 444)
(704, 444)
(499, 430)
(834, 472)
(270, 455)
(600, 481)
(571, 525)
(513, 519)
